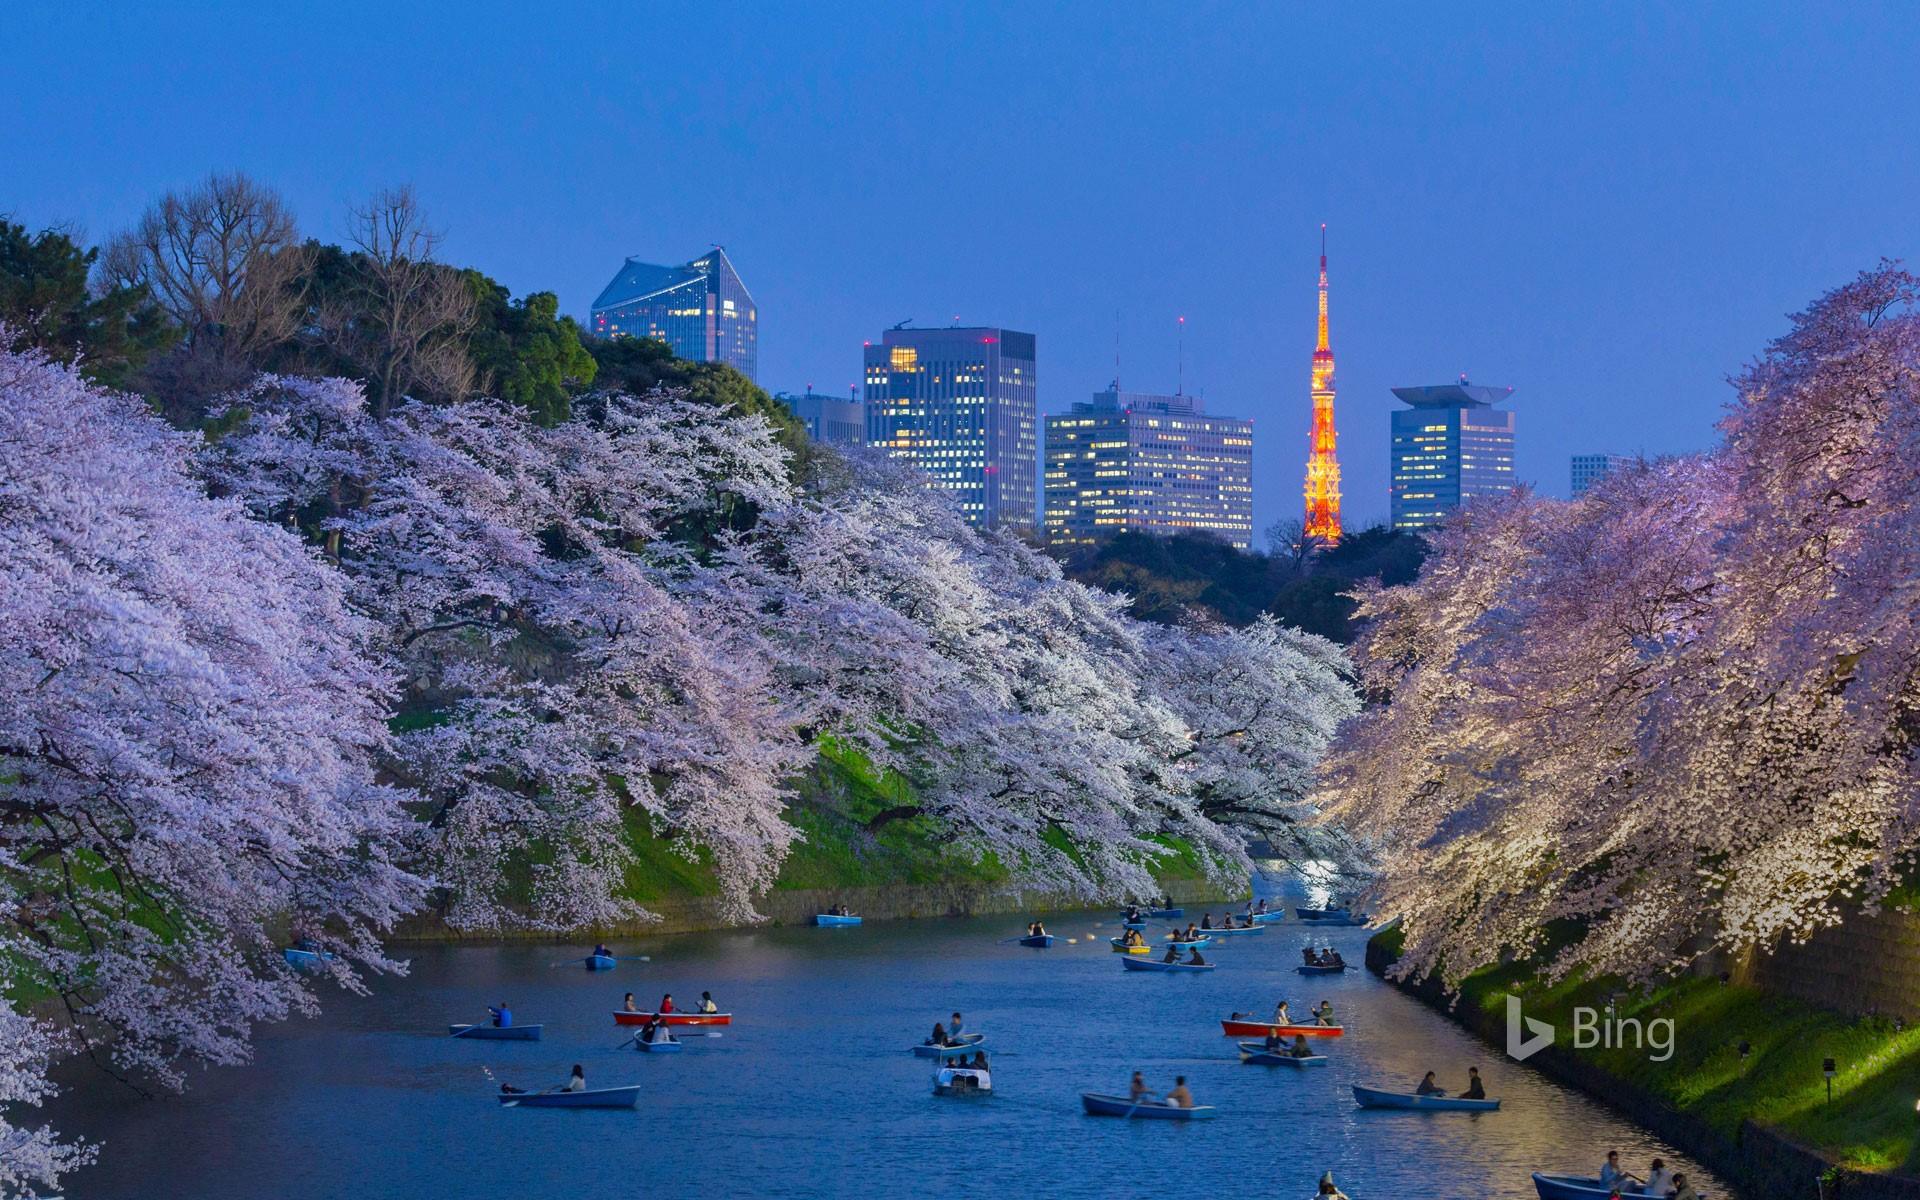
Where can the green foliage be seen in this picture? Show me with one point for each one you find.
(45, 299)
(526, 352)
(1318, 604)
(638, 365)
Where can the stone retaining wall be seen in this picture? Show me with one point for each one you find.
(1870, 964)
(798, 906)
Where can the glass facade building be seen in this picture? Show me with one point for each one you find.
(1589, 469)
(1157, 464)
(1449, 445)
(701, 309)
(961, 405)
(834, 420)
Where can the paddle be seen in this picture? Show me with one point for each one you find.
(469, 1029)
(569, 962)
(634, 958)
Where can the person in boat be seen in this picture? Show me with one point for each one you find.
(706, 1003)
(666, 1004)
(1612, 1177)
(1280, 1014)
(1137, 1091)
(1334, 959)
(1659, 1179)
(1206, 920)
(1133, 938)
(1428, 1087)
(1263, 906)
(1329, 1190)
(1679, 1186)
(1309, 957)
(1037, 929)
(953, 1029)
(1274, 1043)
(1196, 960)
(979, 1061)
(628, 1005)
(939, 1037)
(1476, 1090)
(1300, 1048)
(1323, 1013)
(1173, 955)
(1180, 1097)
(600, 950)
(655, 1030)
(578, 1082)
(502, 1016)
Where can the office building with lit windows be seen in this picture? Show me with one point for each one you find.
(962, 406)
(1156, 464)
(1449, 445)
(1589, 469)
(833, 420)
(701, 309)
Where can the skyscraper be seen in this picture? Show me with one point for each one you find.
(1589, 469)
(1449, 446)
(1323, 466)
(834, 420)
(962, 406)
(701, 309)
(1154, 463)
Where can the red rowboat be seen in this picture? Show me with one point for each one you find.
(674, 1018)
(1262, 1029)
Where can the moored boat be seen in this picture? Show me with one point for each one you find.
(962, 1081)
(673, 1018)
(1239, 1027)
(496, 1033)
(1368, 1097)
(1039, 940)
(1257, 1054)
(618, 1097)
(834, 919)
(1154, 964)
(1099, 1104)
(965, 1044)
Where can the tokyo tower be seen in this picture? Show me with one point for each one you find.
(1323, 466)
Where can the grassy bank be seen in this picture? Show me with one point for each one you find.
(1871, 1123)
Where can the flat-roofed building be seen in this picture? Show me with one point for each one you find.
(1589, 469)
(1156, 464)
(1449, 445)
(832, 420)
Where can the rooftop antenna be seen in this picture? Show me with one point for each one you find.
(901, 325)
(1180, 388)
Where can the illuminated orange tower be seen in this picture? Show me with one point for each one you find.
(1323, 466)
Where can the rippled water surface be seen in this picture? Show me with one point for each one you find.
(812, 1093)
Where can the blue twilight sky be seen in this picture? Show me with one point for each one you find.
(1608, 208)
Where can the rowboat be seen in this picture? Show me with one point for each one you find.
(1258, 1055)
(304, 960)
(1321, 969)
(1038, 940)
(619, 1097)
(1216, 931)
(665, 1045)
(1167, 912)
(1367, 1097)
(1120, 947)
(963, 1045)
(1581, 1187)
(1099, 1105)
(1335, 922)
(601, 962)
(1134, 924)
(1238, 1028)
(1320, 914)
(831, 919)
(496, 1033)
(1154, 964)
(673, 1018)
(1183, 944)
(962, 1081)
(1278, 914)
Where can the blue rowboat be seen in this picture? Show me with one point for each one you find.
(1134, 924)
(1367, 1097)
(496, 1033)
(601, 962)
(1216, 931)
(1278, 914)
(305, 960)
(1320, 914)
(831, 919)
(663, 1046)
(619, 1097)
(1154, 964)
(965, 1044)
(1581, 1187)
(1335, 969)
(1038, 940)
(1099, 1105)
(1257, 1054)
(1183, 944)
(1166, 912)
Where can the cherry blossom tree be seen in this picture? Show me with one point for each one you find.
(187, 752)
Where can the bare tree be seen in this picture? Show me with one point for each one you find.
(403, 317)
(1289, 542)
(224, 261)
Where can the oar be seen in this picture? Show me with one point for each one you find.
(464, 1032)
(569, 962)
(634, 958)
